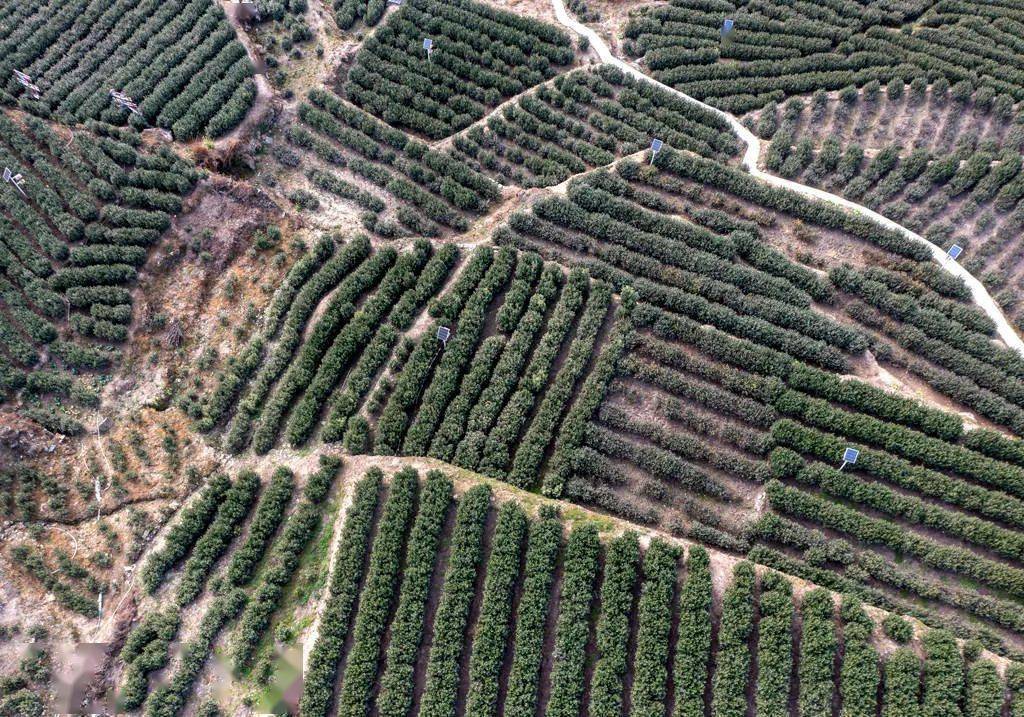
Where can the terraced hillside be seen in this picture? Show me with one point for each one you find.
(179, 60)
(376, 377)
(953, 177)
(399, 186)
(438, 391)
(521, 612)
(729, 348)
(89, 207)
(587, 119)
(479, 57)
(776, 51)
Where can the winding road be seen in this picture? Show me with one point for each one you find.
(753, 152)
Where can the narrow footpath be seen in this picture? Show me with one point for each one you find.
(750, 158)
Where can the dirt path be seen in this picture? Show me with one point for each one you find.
(264, 93)
(750, 160)
(348, 488)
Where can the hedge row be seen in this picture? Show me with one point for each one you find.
(728, 695)
(673, 241)
(712, 428)
(391, 427)
(930, 322)
(67, 597)
(516, 353)
(572, 631)
(396, 695)
(378, 351)
(984, 694)
(524, 674)
(474, 382)
(454, 181)
(786, 201)
(873, 401)
(845, 487)
(480, 56)
(620, 574)
(774, 646)
(742, 353)
(693, 390)
(448, 306)
(192, 523)
(859, 675)
(764, 389)
(226, 525)
(903, 441)
(479, 400)
(658, 462)
(169, 700)
(348, 344)
(445, 382)
(817, 652)
(682, 445)
(574, 427)
(146, 649)
(342, 596)
(265, 522)
(497, 451)
(943, 675)
(452, 618)
(654, 625)
(494, 621)
(991, 504)
(995, 445)
(298, 531)
(334, 323)
(953, 559)
(902, 696)
(382, 579)
(529, 456)
(753, 317)
(299, 312)
(693, 640)
(873, 566)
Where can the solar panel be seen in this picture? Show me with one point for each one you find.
(656, 145)
(443, 334)
(955, 251)
(850, 455)
(727, 26)
(428, 44)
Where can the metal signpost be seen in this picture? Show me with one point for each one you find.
(955, 251)
(27, 83)
(123, 100)
(443, 334)
(15, 179)
(428, 45)
(656, 145)
(850, 456)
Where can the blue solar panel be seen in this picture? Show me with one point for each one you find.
(955, 251)
(727, 26)
(427, 43)
(656, 145)
(850, 455)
